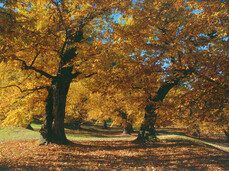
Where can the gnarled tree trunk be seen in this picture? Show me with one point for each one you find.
(53, 128)
(147, 130)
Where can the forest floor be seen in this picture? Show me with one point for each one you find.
(94, 148)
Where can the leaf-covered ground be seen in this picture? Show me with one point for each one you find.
(111, 155)
(94, 148)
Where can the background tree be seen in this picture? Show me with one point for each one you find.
(123, 108)
(76, 111)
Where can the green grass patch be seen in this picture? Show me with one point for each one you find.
(36, 126)
(17, 133)
(93, 137)
(13, 133)
(9, 133)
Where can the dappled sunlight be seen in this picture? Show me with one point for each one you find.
(173, 154)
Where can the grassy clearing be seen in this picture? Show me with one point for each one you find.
(91, 137)
(95, 148)
(36, 126)
(10, 133)
(87, 133)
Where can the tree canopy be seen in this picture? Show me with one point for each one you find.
(146, 58)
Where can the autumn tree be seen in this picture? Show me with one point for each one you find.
(122, 107)
(176, 43)
(52, 38)
(155, 47)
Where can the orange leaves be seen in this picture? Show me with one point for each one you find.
(152, 42)
(110, 155)
(18, 107)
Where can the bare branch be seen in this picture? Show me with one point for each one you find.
(13, 86)
(25, 66)
(206, 78)
(90, 75)
(21, 90)
(34, 59)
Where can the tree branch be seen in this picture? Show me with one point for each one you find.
(34, 59)
(90, 75)
(76, 74)
(25, 66)
(206, 78)
(60, 13)
(21, 90)
(12, 18)
(85, 76)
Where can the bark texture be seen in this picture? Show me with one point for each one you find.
(46, 129)
(147, 131)
(53, 127)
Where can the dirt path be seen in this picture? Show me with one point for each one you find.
(173, 136)
(163, 134)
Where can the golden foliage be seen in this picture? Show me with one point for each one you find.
(152, 43)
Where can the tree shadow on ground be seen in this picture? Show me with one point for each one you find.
(118, 155)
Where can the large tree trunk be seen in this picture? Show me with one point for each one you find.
(46, 129)
(127, 128)
(147, 131)
(53, 128)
